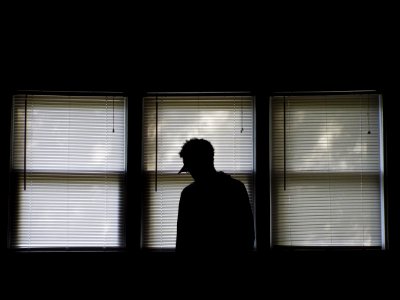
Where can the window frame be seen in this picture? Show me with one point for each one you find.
(13, 178)
(383, 175)
(144, 174)
(134, 175)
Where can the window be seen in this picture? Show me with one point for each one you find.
(327, 170)
(169, 121)
(68, 165)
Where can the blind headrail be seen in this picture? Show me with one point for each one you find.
(194, 93)
(71, 93)
(324, 93)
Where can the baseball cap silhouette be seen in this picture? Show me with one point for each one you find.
(196, 151)
(183, 169)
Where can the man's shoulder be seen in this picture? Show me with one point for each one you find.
(191, 188)
(228, 179)
(231, 186)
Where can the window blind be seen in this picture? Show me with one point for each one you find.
(69, 165)
(326, 170)
(226, 121)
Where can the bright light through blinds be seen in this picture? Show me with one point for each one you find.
(226, 121)
(326, 171)
(75, 170)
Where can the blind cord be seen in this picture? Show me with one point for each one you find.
(241, 113)
(113, 115)
(25, 129)
(369, 128)
(284, 143)
(156, 162)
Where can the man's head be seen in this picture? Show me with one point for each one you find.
(198, 157)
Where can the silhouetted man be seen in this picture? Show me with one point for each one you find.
(214, 211)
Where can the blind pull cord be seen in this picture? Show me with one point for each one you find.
(156, 152)
(25, 129)
(284, 143)
(241, 113)
(369, 128)
(113, 115)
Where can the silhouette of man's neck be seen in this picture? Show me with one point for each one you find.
(206, 173)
